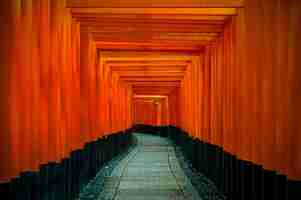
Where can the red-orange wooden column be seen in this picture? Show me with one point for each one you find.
(10, 19)
(294, 32)
(145, 112)
(74, 114)
(102, 98)
(249, 87)
(271, 57)
(39, 36)
(173, 98)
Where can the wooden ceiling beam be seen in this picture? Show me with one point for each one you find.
(147, 24)
(142, 38)
(149, 74)
(151, 70)
(220, 18)
(153, 90)
(126, 29)
(153, 79)
(152, 93)
(152, 60)
(134, 46)
(154, 3)
(146, 91)
(175, 48)
(204, 41)
(153, 87)
(163, 44)
(150, 24)
(140, 19)
(150, 96)
(146, 57)
(159, 11)
(153, 34)
(154, 84)
(143, 65)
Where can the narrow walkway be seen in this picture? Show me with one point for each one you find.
(150, 171)
(153, 169)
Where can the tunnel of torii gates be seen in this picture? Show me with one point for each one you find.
(225, 71)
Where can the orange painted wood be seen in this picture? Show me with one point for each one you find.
(134, 46)
(157, 11)
(247, 113)
(162, 17)
(156, 3)
(8, 152)
(38, 128)
(145, 113)
(228, 76)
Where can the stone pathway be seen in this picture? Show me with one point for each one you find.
(152, 170)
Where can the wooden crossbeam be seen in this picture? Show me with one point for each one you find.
(146, 91)
(147, 69)
(149, 38)
(148, 65)
(153, 79)
(144, 63)
(153, 90)
(149, 91)
(157, 45)
(147, 46)
(157, 35)
(150, 96)
(150, 25)
(154, 84)
(152, 93)
(149, 74)
(149, 20)
(154, 3)
(154, 87)
(153, 34)
(183, 28)
(159, 11)
(175, 17)
(144, 55)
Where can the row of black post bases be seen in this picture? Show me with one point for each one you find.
(237, 179)
(65, 180)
